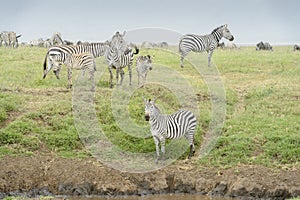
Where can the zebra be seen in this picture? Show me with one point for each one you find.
(120, 55)
(263, 46)
(56, 39)
(143, 66)
(179, 124)
(199, 43)
(296, 47)
(96, 49)
(82, 61)
(9, 39)
(118, 61)
(118, 42)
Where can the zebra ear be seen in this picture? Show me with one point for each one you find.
(154, 100)
(145, 100)
(123, 34)
(225, 25)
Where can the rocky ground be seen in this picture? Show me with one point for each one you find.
(51, 175)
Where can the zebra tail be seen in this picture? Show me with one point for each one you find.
(45, 66)
(136, 50)
(179, 46)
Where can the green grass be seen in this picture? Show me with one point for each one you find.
(8, 104)
(262, 106)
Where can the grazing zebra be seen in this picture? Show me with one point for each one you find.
(199, 43)
(296, 47)
(263, 46)
(179, 124)
(118, 61)
(83, 61)
(143, 66)
(96, 49)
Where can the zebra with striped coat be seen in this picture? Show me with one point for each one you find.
(51, 62)
(120, 55)
(199, 43)
(119, 62)
(143, 66)
(83, 61)
(179, 124)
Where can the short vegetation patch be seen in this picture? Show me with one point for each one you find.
(262, 107)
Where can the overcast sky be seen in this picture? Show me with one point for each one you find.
(250, 21)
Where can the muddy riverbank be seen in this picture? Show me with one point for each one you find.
(50, 175)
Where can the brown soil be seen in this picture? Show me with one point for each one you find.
(51, 175)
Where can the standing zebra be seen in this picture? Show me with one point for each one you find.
(199, 43)
(179, 124)
(96, 49)
(143, 66)
(119, 56)
(296, 47)
(83, 61)
(119, 61)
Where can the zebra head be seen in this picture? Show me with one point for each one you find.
(118, 42)
(150, 108)
(226, 32)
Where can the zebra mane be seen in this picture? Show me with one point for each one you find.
(153, 102)
(216, 29)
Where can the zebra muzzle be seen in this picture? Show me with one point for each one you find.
(147, 117)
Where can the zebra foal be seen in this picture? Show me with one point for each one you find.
(179, 124)
(199, 43)
(53, 56)
(143, 66)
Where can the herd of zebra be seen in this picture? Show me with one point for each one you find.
(9, 39)
(119, 55)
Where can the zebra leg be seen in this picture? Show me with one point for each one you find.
(181, 61)
(192, 150)
(92, 78)
(111, 76)
(157, 141)
(183, 55)
(144, 80)
(130, 74)
(69, 77)
(209, 57)
(117, 75)
(162, 144)
(122, 76)
(138, 79)
(190, 138)
(56, 72)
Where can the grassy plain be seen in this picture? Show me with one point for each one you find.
(262, 106)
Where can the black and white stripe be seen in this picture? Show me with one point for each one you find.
(118, 60)
(143, 66)
(199, 43)
(179, 124)
(83, 61)
(96, 49)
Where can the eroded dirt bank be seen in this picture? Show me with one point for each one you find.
(48, 175)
